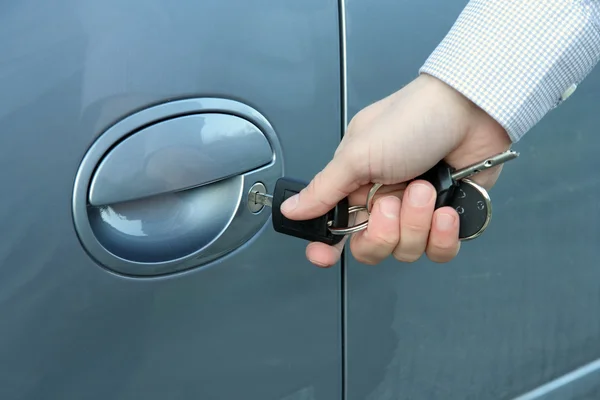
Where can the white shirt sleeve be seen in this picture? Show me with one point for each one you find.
(518, 59)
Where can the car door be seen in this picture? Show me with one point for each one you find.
(130, 264)
(518, 311)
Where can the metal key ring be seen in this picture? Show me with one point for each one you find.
(354, 228)
(355, 209)
(371, 195)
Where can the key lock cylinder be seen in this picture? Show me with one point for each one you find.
(453, 187)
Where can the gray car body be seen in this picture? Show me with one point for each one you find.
(517, 309)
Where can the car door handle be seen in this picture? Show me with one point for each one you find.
(165, 189)
(178, 154)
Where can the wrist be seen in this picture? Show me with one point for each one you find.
(470, 120)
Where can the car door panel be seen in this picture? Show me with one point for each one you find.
(519, 306)
(257, 323)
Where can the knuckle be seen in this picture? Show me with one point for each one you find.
(440, 257)
(363, 253)
(358, 121)
(446, 245)
(442, 254)
(314, 189)
(363, 119)
(411, 247)
(385, 240)
(357, 250)
(314, 184)
(361, 258)
(352, 125)
(420, 229)
(406, 257)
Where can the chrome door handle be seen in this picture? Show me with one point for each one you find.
(164, 190)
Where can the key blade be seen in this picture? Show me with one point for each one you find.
(260, 198)
(491, 162)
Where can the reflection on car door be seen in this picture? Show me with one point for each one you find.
(257, 323)
(519, 305)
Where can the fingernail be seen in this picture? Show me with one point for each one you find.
(290, 204)
(390, 207)
(419, 195)
(444, 222)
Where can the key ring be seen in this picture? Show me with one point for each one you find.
(355, 209)
(371, 195)
(354, 228)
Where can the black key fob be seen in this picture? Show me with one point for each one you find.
(314, 230)
(474, 208)
(440, 176)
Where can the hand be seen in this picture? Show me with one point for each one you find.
(392, 141)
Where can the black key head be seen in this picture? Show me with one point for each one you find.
(440, 176)
(314, 230)
(474, 208)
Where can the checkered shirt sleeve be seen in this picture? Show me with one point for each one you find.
(519, 59)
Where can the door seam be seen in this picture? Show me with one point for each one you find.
(343, 125)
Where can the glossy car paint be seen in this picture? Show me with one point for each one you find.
(519, 306)
(260, 323)
(516, 313)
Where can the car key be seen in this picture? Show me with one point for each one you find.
(445, 179)
(314, 230)
(470, 200)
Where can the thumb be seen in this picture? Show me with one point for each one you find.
(336, 181)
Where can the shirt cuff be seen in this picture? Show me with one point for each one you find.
(517, 60)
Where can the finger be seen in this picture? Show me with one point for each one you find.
(336, 181)
(381, 237)
(416, 215)
(323, 255)
(443, 244)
